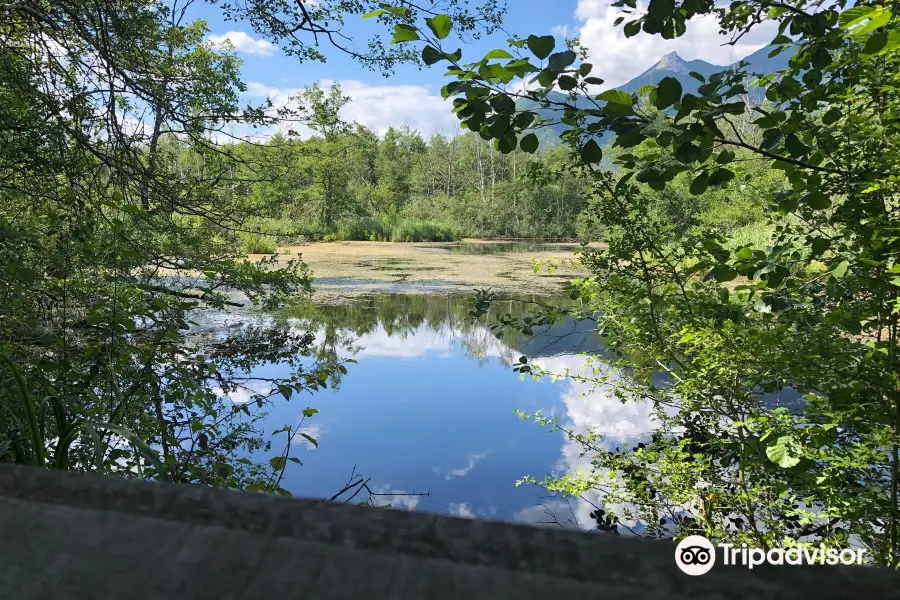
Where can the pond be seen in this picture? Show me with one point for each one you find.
(429, 407)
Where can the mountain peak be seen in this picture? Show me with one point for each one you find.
(670, 60)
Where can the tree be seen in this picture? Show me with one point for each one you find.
(122, 186)
(323, 159)
(712, 332)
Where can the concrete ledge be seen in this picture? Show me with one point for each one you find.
(68, 536)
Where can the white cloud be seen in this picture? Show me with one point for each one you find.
(473, 460)
(416, 344)
(553, 513)
(587, 408)
(561, 31)
(617, 59)
(313, 431)
(398, 499)
(243, 43)
(245, 392)
(379, 107)
(461, 510)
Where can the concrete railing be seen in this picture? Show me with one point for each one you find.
(66, 536)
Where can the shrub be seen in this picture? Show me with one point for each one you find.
(252, 243)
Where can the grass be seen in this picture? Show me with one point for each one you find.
(283, 232)
(757, 235)
(252, 243)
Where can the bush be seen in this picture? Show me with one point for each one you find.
(252, 243)
(424, 231)
(283, 232)
(384, 230)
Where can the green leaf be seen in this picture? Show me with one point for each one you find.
(790, 87)
(819, 245)
(877, 19)
(688, 153)
(498, 54)
(98, 445)
(374, 13)
(431, 55)
(700, 184)
(504, 144)
(615, 97)
(440, 25)
(399, 11)
(541, 46)
(561, 60)
(779, 454)
(310, 439)
(547, 77)
(855, 15)
(529, 143)
(820, 60)
(794, 146)
(840, 270)
(149, 454)
(285, 391)
(591, 152)
(744, 253)
(817, 200)
(832, 116)
(721, 176)
(404, 33)
(668, 92)
(308, 412)
(725, 157)
(567, 82)
(278, 462)
(37, 441)
(771, 139)
(648, 175)
(875, 44)
(724, 273)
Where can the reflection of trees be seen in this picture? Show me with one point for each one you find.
(402, 315)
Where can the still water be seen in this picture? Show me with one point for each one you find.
(429, 407)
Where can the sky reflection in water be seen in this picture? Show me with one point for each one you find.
(429, 407)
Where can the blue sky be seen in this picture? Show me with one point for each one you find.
(411, 96)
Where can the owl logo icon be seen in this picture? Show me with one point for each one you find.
(695, 555)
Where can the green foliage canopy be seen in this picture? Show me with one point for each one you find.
(735, 329)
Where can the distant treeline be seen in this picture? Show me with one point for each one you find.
(344, 181)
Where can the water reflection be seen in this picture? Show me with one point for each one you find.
(429, 406)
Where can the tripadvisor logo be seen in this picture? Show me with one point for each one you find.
(696, 555)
